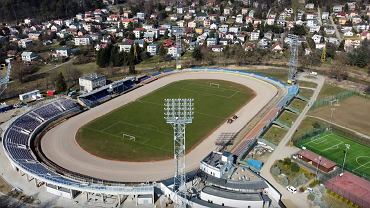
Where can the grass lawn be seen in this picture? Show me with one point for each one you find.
(288, 117)
(274, 134)
(332, 145)
(298, 104)
(279, 74)
(329, 90)
(143, 119)
(353, 112)
(306, 93)
(307, 84)
(307, 125)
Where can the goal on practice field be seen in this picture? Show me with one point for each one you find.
(128, 137)
(212, 84)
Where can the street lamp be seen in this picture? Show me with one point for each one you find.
(345, 156)
(317, 168)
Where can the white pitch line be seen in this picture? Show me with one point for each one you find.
(336, 145)
(318, 137)
(361, 166)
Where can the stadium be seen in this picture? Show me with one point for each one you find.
(41, 143)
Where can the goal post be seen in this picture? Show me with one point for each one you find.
(128, 137)
(213, 84)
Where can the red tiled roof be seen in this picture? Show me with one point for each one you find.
(315, 158)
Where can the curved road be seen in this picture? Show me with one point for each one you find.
(59, 143)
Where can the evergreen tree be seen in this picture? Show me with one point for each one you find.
(60, 83)
(162, 51)
(197, 54)
(131, 69)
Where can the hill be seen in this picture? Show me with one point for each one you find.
(17, 10)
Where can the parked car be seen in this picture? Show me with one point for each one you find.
(291, 189)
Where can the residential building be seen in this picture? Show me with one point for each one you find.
(28, 56)
(152, 49)
(92, 81)
(82, 41)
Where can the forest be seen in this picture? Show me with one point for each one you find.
(17, 10)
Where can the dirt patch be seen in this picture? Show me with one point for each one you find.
(353, 112)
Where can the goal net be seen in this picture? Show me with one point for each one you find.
(128, 137)
(213, 84)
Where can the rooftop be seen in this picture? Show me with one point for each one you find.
(317, 158)
(224, 193)
(92, 76)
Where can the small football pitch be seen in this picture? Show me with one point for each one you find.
(332, 146)
(138, 130)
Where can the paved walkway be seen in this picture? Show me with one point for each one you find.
(298, 200)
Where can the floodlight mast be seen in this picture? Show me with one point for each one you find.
(178, 34)
(178, 113)
(293, 61)
(5, 80)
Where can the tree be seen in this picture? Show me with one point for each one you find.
(131, 69)
(360, 56)
(162, 51)
(299, 30)
(103, 57)
(294, 167)
(197, 54)
(60, 83)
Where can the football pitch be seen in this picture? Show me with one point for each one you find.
(138, 130)
(332, 145)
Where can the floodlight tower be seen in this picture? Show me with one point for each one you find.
(178, 113)
(293, 61)
(5, 80)
(178, 31)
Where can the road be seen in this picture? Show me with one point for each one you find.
(319, 15)
(283, 151)
(336, 29)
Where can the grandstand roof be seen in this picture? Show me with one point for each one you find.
(237, 185)
(224, 193)
(317, 158)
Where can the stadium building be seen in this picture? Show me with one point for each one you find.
(221, 187)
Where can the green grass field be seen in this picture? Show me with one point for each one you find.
(332, 146)
(144, 120)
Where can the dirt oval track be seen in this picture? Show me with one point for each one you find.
(59, 144)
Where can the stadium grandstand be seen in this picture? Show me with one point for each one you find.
(19, 135)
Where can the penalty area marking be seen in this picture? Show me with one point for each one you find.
(362, 165)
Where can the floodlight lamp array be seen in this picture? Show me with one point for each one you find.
(179, 111)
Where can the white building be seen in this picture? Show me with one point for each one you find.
(28, 56)
(217, 163)
(152, 49)
(172, 51)
(91, 81)
(82, 41)
(63, 52)
(254, 36)
(25, 43)
(30, 96)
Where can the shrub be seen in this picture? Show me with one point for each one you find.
(275, 170)
(287, 161)
(311, 197)
(314, 183)
(294, 167)
(302, 189)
